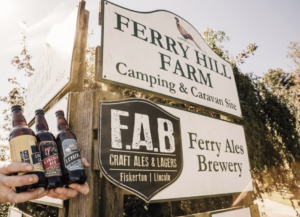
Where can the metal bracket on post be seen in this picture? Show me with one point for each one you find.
(100, 13)
(98, 63)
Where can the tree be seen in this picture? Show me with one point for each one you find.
(294, 55)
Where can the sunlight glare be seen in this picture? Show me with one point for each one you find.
(23, 25)
(5, 9)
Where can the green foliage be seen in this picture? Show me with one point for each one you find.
(213, 39)
(89, 82)
(294, 55)
(22, 62)
(40, 210)
(245, 54)
(270, 120)
(135, 207)
(4, 209)
(270, 128)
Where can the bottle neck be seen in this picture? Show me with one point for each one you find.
(18, 118)
(41, 123)
(62, 123)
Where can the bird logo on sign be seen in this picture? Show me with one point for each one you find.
(185, 34)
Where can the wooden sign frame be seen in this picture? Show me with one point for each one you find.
(77, 72)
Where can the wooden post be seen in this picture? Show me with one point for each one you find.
(112, 204)
(112, 198)
(83, 116)
(242, 199)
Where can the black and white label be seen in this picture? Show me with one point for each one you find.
(72, 158)
(36, 158)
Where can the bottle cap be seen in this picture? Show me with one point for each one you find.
(59, 112)
(40, 111)
(15, 107)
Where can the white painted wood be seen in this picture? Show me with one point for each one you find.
(234, 213)
(14, 212)
(50, 201)
(53, 69)
(193, 183)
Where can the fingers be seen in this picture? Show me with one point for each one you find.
(14, 167)
(42, 195)
(16, 181)
(66, 192)
(85, 162)
(84, 189)
(53, 194)
(13, 197)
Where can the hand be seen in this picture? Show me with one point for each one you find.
(7, 194)
(66, 193)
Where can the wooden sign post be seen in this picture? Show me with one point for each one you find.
(104, 199)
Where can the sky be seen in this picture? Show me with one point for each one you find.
(270, 24)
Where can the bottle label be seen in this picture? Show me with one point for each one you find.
(50, 158)
(72, 156)
(24, 149)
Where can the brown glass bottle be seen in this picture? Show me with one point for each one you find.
(70, 158)
(48, 150)
(23, 148)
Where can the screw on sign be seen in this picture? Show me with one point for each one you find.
(140, 146)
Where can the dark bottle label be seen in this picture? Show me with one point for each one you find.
(36, 157)
(72, 158)
(24, 149)
(50, 158)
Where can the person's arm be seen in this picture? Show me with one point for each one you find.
(7, 183)
(66, 193)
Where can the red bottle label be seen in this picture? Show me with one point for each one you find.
(50, 158)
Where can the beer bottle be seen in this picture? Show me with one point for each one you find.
(23, 148)
(71, 163)
(48, 150)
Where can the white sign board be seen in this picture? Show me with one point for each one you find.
(215, 158)
(234, 213)
(53, 69)
(14, 212)
(162, 53)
